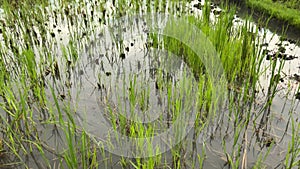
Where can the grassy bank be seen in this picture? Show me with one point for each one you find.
(287, 11)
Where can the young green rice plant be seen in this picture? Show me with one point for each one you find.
(201, 157)
(78, 152)
(21, 134)
(292, 156)
(272, 90)
(262, 158)
(71, 154)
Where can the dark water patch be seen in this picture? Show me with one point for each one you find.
(280, 56)
(295, 77)
(198, 6)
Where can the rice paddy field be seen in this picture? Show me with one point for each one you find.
(145, 84)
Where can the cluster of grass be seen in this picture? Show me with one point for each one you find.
(287, 11)
(295, 4)
(36, 89)
(241, 60)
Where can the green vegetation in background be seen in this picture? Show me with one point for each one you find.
(287, 11)
(294, 4)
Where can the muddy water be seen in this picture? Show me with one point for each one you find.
(107, 60)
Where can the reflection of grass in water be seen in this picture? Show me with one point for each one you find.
(26, 77)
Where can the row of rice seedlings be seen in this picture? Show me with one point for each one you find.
(134, 128)
(242, 61)
(22, 126)
(80, 149)
(22, 82)
(249, 98)
(71, 161)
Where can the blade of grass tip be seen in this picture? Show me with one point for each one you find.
(71, 152)
(12, 145)
(93, 162)
(60, 117)
(84, 151)
(40, 149)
